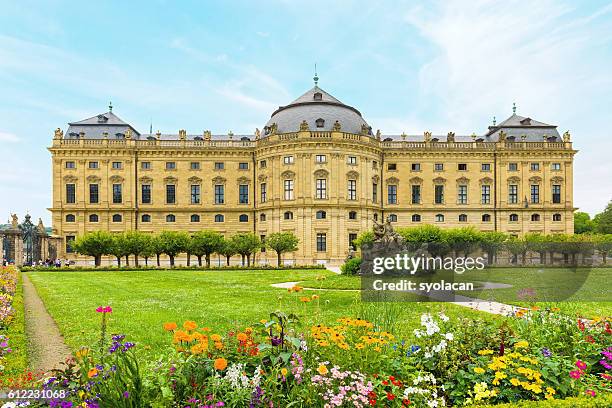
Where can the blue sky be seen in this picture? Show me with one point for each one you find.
(407, 66)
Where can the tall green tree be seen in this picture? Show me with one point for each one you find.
(119, 248)
(157, 248)
(174, 243)
(204, 244)
(148, 250)
(246, 243)
(583, 223)
(135, 243)
(282, 242)
(603, 244)
(96, 244)
(604, 220)
(227, 249)
(492, 242)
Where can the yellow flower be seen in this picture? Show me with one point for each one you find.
(82, 352)
(479, 370)
(305, 299)
(215, 337)
(485, 352)
(314, 297)
(515, 382)
(284, 371)
(377, 349)
(521, 344)
(322, 369)
(359, 346)
(220, 364)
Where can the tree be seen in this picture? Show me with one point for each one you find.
(462, 240)
(364, 238)
(96, 244)
(174, 243)
(491, 243)
(583, 223)
(206, 243)
(282, 242)
(430, 235)
(135, 242)
(603, 244)
(517, 246)
(157, 248)
(604, 220)
(227, 249)
(148, 249)
(119, 247)
(246, 243)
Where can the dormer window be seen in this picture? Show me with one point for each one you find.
(245, 139)
(73, 135)
(387, 139)
(102, 119)
(151, 138)
(526, 121)
(480, 140)
(320, 122)
(198, 138)
(435, 139)
(318, 96)
(511, 138)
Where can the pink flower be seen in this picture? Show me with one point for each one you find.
(590, 393)
(581, 365)
(575, 374)
(104, 309)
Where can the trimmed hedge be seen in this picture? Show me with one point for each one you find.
(164, 268)
(601, 401)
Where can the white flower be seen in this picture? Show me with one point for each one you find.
(449, 336)
(443, 317)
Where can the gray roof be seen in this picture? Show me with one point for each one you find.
(521, 127)
(96, 126)
(309, 108)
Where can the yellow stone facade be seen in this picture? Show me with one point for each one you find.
(282, 169)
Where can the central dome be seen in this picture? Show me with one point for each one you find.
(320, 111)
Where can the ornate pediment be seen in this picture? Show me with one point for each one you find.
(557, 179)
(439, 180)
(145, 180)
(170, 179)
(463, 180)
(416, 180)
(287, 174)
(116, 179)
(218, 180)
(244, 180)
(71, 179)
(535, 179)
(392, 180)
(375, 179)
(93, 179)
(352, 175)
(486, 180)
(321, 173)
(262, 177)
(194, 180)
(514, 179)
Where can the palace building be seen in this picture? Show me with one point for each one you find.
(316, 169)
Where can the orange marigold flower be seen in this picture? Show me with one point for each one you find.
(92, 372)
(322, 369)
(170, 326)
(248, 330)
(242, 337)
(215, 337)
(314, 297)
(220, 364)
(305, 299)
(190, 325)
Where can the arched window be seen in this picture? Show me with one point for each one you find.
(93, 218)
(117, 218)
(416, 217)
(243, 218)
(439, 217)
(486, 217)
(535, 217)
(556, 217)
(462, 217)
(145, 218)
(70, 218)
(318, 96)
(392, 217)
(320, 123)
(170, 218)
(352, 215)
(219, 218)
(321, 215)
(375, 217)
(288, 215)
(195, 218)
(513, 217)
(262, 217)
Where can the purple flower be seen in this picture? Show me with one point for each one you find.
(66, 404)
(128, 345)
(546, 352)
(276, 341)
(605, 364)
(126, 394)
(118, 337)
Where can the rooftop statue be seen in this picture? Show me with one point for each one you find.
(14, 221)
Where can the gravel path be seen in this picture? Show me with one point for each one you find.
(46, 347)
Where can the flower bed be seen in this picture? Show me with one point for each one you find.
(282, 360)
(13, 359)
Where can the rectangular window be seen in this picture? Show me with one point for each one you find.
(320, 158)
(556, 193)
(243, 194)
(439, 194)
(462, 166)
(288, 185)
(485, 194)
(485, 167)
(392, 194)
(194, 165)
(351, 239)
(93, 194)
(535, 166)
(513, 194)
(145, 193)
(374, 164)
(93, 165)
(170, 194)
(462, 194)
(262, 238)
(321, 242)
(392, 166)
(352, 189)
(117, 194)
(535, 194)
(70, 165)
(195, 194)
(116, 165)
(219, 165)
(555, 166)
(243, 166)
(416, 194)
(374, 192)
(352, 160)
(264, 193)
(69, 242)
(512, 166)
(219, 194)
(321, 190)
(71, 193)
(145, 165)
(415, 167)
(439, 166)
(262, 164)
(288, 159)
(170, 165)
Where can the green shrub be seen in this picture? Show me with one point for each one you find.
(351, 267)
(603, 401)
(155, 268)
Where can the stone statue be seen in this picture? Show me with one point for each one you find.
(41, 227)
(567, 137)
(183, 134)
(128, 134)
(337, 126)
(257, 134)
(502, 136)
(273, 128)
(59, 134)
(427, 136)
(384, 233)
(378, 134)
(14, 221)
(207, 135)
(404, 135)
(304, 126)
(450, 137)
(364, 129)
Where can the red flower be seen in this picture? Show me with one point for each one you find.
(390, 396)
(590, 339)
(385, 382)
(406, 402)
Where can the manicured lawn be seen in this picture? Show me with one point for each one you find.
(143, 301)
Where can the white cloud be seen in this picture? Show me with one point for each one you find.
(6, 137)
